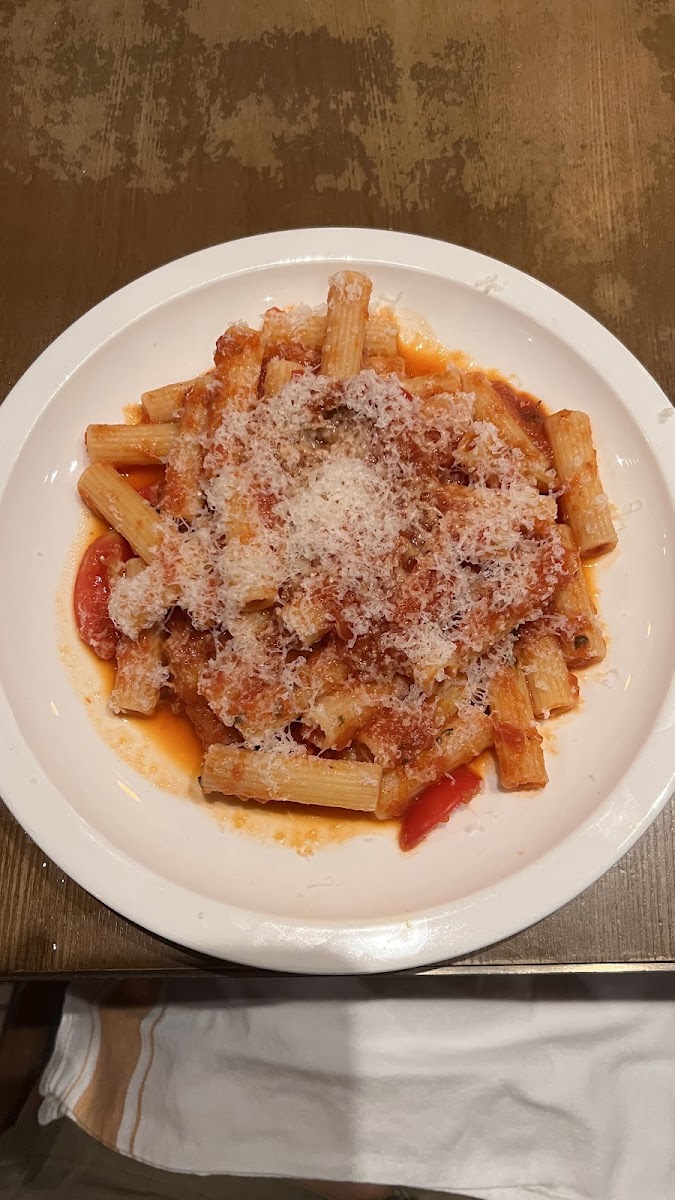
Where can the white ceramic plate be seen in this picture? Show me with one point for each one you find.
(504, 862)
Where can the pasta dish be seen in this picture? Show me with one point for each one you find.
(353, 580)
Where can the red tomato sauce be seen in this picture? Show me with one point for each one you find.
(143, 477)
(527, 408)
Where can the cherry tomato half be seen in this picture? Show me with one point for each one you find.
(100, 566)
(433, 806)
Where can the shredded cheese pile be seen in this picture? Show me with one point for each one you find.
(396, 531)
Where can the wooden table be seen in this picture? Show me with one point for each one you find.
(540, 133)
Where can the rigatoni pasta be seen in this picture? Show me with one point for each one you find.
(490, 406)
(539, 654)
(348, 297)
(352, 579)
(278, 373)
(165, 403)
(182, 494)
(130, 445)
(517, 741)
(584, 502)
(265, 776)
(111, 496)
(580, 636)
(468, 737)
(139, 665)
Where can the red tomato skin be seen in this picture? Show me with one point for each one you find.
(102, 558)
(433, 806)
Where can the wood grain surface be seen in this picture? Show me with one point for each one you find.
(136, 131)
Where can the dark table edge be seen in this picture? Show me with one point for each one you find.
(230, 972)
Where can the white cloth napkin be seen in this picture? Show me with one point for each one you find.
(502, 1089)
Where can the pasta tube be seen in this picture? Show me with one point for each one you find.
(490, 406)
(130, 445)
(256, 775)
(279, 372)
(348, 297)
(581, 639)
(469, 736)
(306, 619)
(299, 326)
(517, 741)
(426, 386)
(552, 689)
(139, 672)
(183, 496)
(164, 403)
(114, 499)
(381, 337)
(238, 360)
(306, 328)
(583, 502)
(339, 714)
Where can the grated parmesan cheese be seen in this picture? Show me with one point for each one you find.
(394, 528)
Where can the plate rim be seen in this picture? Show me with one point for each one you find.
(322, 946)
